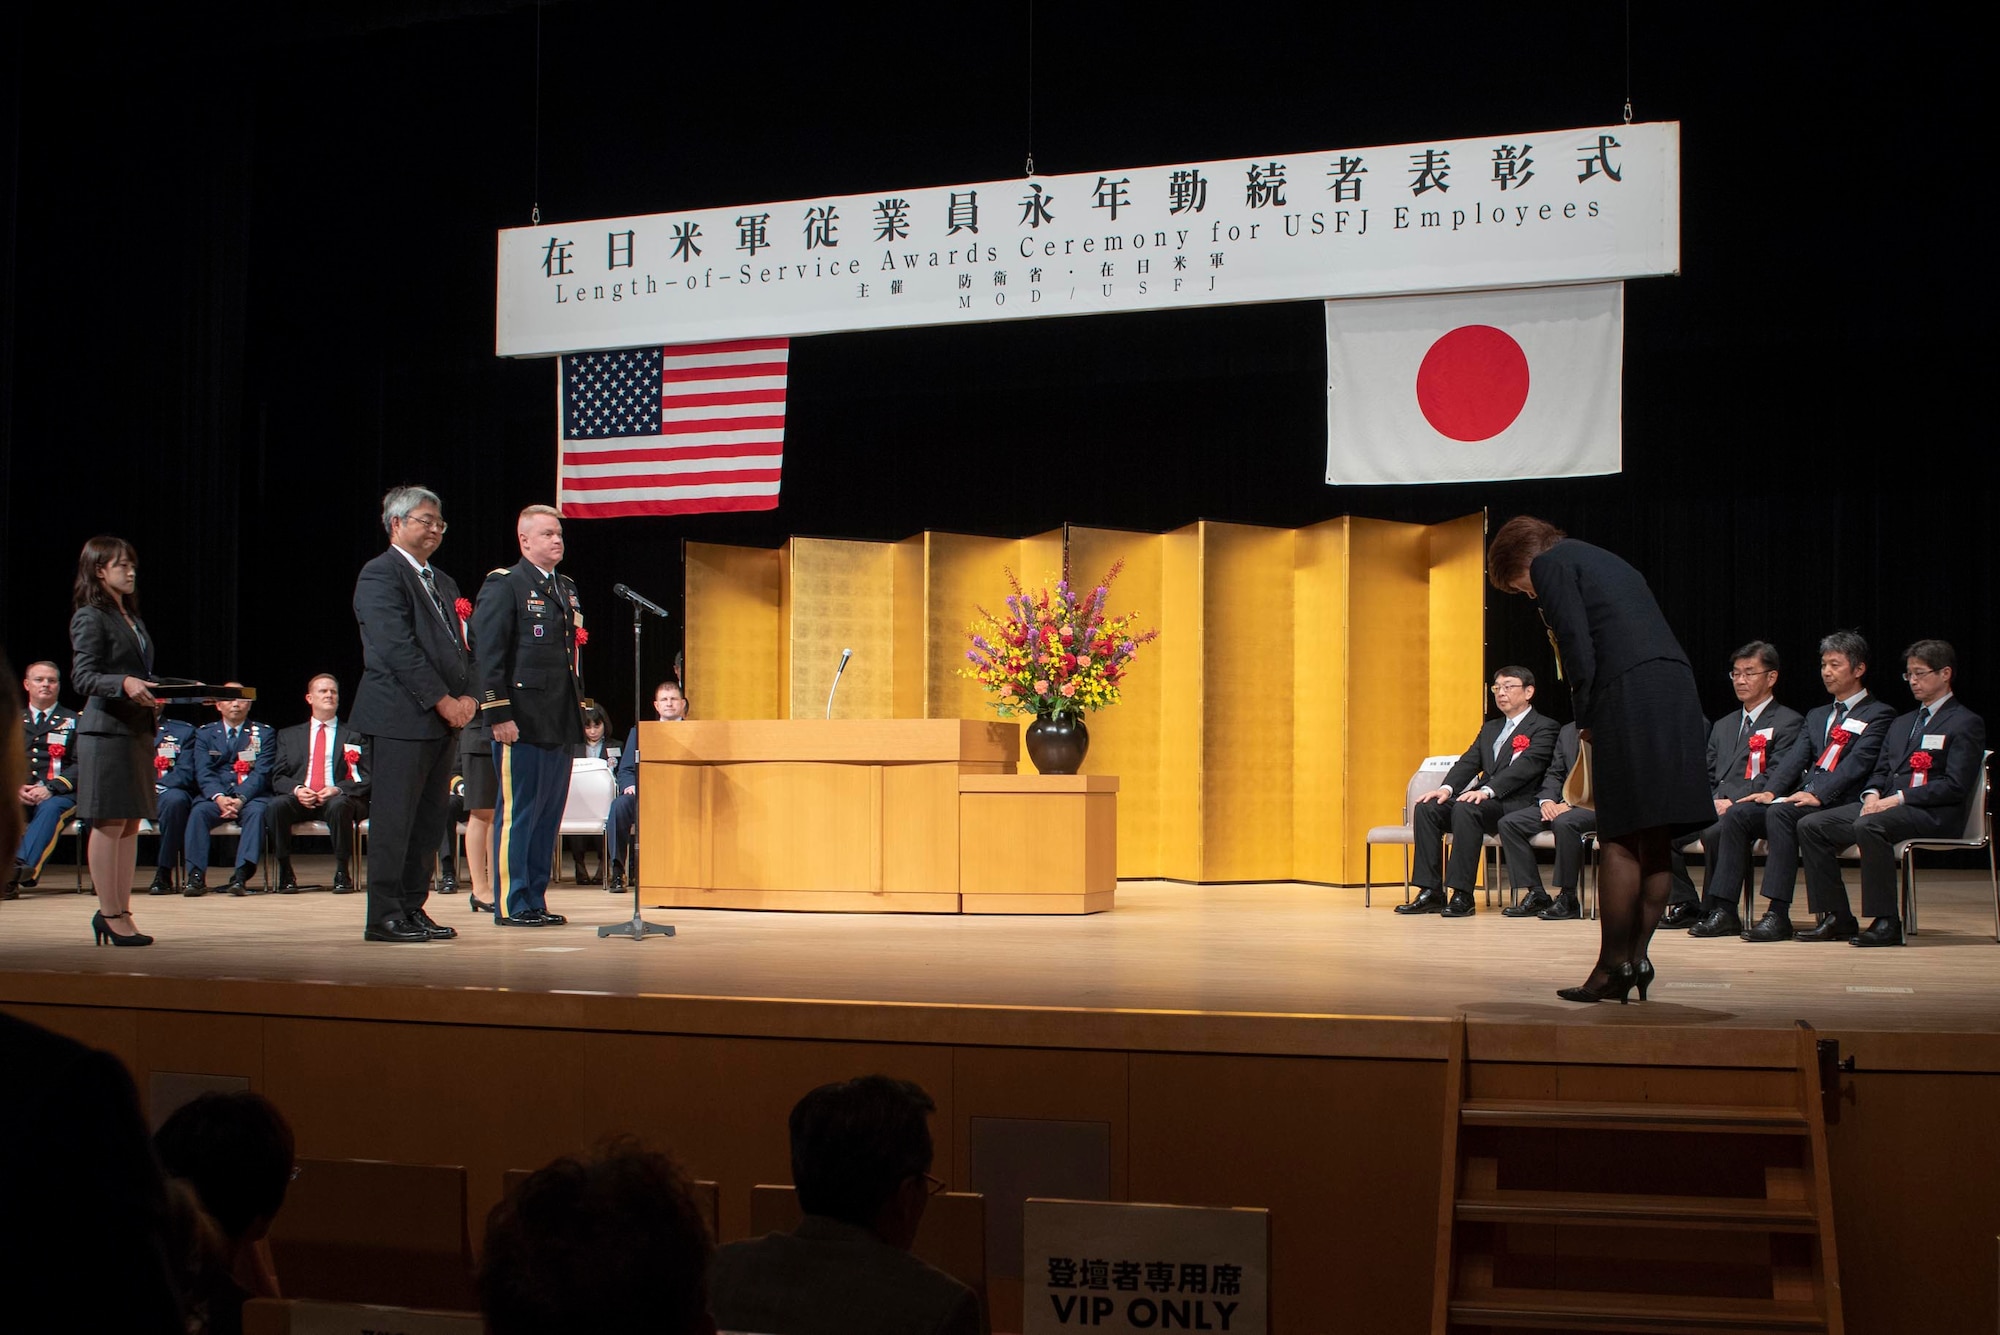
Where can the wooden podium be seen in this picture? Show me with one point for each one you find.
(860, 816)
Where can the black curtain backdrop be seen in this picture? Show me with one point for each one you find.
(246, 284)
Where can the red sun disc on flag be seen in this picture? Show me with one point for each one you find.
(1473, 382)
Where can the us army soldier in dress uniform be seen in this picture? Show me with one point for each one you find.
(525, 630)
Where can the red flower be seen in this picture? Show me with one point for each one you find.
(463, 607)
(161, 764)
(1840, 737)
(1069, 662)
(242, 767)
(57, 750)
(582, 637)
(1758, 741)
(1920, 761)
(352, 755)
(1520, 743)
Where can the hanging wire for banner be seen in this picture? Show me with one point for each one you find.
(535, 188)
(1031, 87)
(1629, 62)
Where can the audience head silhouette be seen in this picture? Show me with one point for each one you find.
(235, 1151)
(608, 1244)
(861, 1153)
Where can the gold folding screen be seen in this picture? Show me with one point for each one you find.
(1299, 674)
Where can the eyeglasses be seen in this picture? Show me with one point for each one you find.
(932, 1185)
(1500, 686)
(295, 1173)
(1919, 674)
(437, 526)
(1737, 675)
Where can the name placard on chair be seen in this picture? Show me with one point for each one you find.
(1107, 1266)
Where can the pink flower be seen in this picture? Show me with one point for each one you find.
(1083, 660)
(1006, 688)
(1041, 688)
(1069, 688)
(1069, 632)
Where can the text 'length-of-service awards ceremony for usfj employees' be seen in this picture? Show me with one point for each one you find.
(767, 666)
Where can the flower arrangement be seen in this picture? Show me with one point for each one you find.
(1054, 650)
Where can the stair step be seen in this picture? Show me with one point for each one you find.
(1574, 1114)
(1746, 1213)
(1635, 1313)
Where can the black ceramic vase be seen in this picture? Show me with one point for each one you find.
(1057, 743)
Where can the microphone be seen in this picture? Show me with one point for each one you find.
(640, 599)
(845, 654)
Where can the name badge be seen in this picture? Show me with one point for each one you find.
(1933, 741)
(1854, 725)
(1766, 733)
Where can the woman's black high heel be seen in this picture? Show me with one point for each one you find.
(1644, 977)
(102, 933)
(1618, 985)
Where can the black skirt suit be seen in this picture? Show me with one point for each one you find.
(1632, 688)
(114, 736)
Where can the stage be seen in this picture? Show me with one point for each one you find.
(1266, 1044)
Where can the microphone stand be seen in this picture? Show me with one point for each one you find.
(638, 929)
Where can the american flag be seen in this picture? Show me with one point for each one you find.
(663, 431)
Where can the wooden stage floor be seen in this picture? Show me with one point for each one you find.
(1168, 950)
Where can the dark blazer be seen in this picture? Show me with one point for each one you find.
(215, 761)
(104, 652)
(628, 761)
(1515, 776)
(1799, 770)
(295, 758)
(412, 656)
(1954, 768)
(174, 740)
(1602, 619)
(526, 628)
(1729, 758)
(1560, 764)
(827, 1277)
(55, 773)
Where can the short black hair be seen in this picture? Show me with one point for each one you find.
(1936, 655)
(1849, 645)
(1762, 650)
(594, 713)
(235, 1149)
(1520, 674)
(610, 1243)
(855, 1142)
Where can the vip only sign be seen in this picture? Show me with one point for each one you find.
(1520, 210)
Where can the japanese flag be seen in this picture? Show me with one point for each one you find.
(1475, 387)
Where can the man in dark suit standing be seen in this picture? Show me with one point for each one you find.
(1835, 753)
(528, 625)
(414, 697)
(176, 785)
(1499, 773)
(1744, 747)
(233, 762)
(322, 775)
(1566, 823)
(49, 795)
(1922, 786)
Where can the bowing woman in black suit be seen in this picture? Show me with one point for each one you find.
(1636, 704)
(112, 664)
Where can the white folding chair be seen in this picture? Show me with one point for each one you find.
(1428, 776)
(592, 785)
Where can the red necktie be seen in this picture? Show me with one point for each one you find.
(319, 757)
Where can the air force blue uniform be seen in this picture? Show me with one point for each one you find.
(51, 744)
(176, 787)
(524, 628)
(218, 748)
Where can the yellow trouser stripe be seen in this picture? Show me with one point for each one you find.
(503, 832)
(68, 819)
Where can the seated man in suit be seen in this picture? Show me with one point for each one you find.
(1922, 786)
(1499, 773)
(1833, 756)
(49, 795)
(861, 1159)
(1567, 823)
(621, 833)
(176, 786)
(321, 774)
(234, 759)
(1743, 751)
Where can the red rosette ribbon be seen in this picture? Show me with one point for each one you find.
(463, 607)
(1755, 765)
(582, 637)
(241, 767)
(1920, 768)
(352, 755)
(56, 753)
(161, 764)
(1836, 743)
(1520, 743)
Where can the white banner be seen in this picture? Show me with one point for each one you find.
(1450, 215)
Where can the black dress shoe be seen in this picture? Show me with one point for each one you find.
(1460, 906)
(197, 885)
(1881, 932)
(1681, 915)
(395, 927)
(531, 918)
(288, 886)
(1775, 925)
(438, 931)
(615, 883)
(1530, 906)
(8, 893)
(1563, 910)
(341, 884)
(1830, 927)
(1427, 901)
(238, 886)
(163, 883)
(1721, 921)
